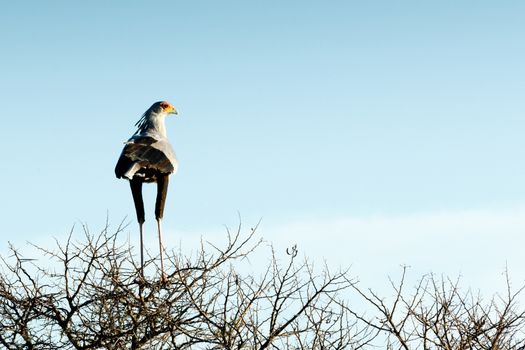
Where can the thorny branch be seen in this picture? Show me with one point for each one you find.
(89, 295)
(94, 298)
(440, 315)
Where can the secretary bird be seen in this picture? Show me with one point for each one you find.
(148, 157)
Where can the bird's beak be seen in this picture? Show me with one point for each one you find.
(173, 111)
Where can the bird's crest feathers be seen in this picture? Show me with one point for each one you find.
(146, 121)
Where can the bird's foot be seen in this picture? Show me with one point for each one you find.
(140, 279)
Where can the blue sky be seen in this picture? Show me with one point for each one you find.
(298, 112)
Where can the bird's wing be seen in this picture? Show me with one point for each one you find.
(149, 152)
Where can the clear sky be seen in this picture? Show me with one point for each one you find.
(366, 131)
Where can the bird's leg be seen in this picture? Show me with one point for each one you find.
(141, 225)
(162, 191)
(161, 248)
(136, 191)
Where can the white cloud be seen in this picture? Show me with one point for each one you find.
(478, 244)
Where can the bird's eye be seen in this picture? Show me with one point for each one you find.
(164, 105)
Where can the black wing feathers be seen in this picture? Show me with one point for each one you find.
(143, 151)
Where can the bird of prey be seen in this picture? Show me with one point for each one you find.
(148, 157)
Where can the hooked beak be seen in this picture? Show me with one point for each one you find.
(173, 111)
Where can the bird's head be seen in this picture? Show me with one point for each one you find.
(164, 107)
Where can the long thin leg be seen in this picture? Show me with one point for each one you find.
(161, 248)
(141, 225)
(162, 191)
(136, 191)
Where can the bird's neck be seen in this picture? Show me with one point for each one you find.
(156, 124)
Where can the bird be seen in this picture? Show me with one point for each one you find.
(149, 157)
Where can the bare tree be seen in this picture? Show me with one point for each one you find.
(90, 295)
(437, 314)
(94, 298)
